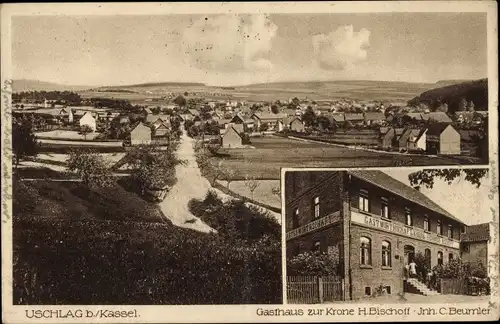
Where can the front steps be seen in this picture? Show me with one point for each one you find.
(414, 286)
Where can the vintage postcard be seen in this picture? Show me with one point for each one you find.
(249, 162)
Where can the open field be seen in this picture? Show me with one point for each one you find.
(271, 153)
(66, 134)
(263, 193)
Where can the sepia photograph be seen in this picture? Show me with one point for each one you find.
(277, 157)
(398, 236)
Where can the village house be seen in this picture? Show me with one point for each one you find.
(442, 138)
(417, 140)
(88, 120)
(437, 117)
(371, 224)
(357, 119)
(231, 138)
(162, 129)
(240, 119)
(377, 118)
(297, 125)
(474, 244)
(386, 137)
(337, 118)
(140, 134)
(274, 121)
(146, 112)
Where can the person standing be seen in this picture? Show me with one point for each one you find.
(413, 269)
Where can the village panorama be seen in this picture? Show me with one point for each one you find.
(147, 160)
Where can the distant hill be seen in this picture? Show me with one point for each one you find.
(35, 85)
(443, 83)
(158, 84)
(476, 91)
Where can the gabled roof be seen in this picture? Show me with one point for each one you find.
(476, 233)
(338, 117)
(223, 121)
(138, 125)
(354, 116)
(437, 116)
(384, 181)
(228, 129)
(437, 128)
(416, 134)
(374, 116)
(269, 116)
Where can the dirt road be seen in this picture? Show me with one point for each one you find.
(190, 185)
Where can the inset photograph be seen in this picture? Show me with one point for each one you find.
(391, 236)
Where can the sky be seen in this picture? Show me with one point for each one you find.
(463, 200)
(243, 49)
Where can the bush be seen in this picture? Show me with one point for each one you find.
(312, 264)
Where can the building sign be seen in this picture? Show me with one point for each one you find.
(401, 229)
(314, 225)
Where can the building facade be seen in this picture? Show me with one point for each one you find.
(371, 223)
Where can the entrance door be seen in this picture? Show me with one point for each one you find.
(409, 252)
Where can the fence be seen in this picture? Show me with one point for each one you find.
(313, 290)
(454, 287)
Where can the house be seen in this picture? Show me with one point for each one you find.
(337, 118)
(157, 120)
(418, 139)
(357, 119)
(386, 137)
(146, 111)
(474, 244)
(270, 119)
(162, 129)
(402, 141)
(296, 125)
(371, 223)
(437, 117)
(223, 123)
(88, 120)
(240, 119)
(240, 128)
(140, 134)
(442, 138)
(374, 118)
(231, 138)
(124, 119)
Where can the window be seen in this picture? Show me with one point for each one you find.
(386, 254)
(440, 258)
(388, 289)
(450, 257)
(439, 228)
(428, 257)
(363, 201)
(316, 207)
(317, 246)
(295, 219)
(450, 231)
(427, 225)
(368, 291)
(384, 208)
(365, 251)
(409, 218)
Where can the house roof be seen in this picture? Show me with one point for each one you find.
(223, 121)
(137, 125)
(374, 116)
(194, 112)
(476, 233)
(384, 181)
(415, 115)
(437, 128)
(226, 131)
(354, 116)
(269, 116)
(438, 116)
(416, 134)
(337, 117)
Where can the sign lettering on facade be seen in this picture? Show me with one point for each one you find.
(401, 229)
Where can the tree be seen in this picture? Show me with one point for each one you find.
(426, 177)
(471, 107)
(275, 109)
(86, 129)
(251, 183)
(264, 127)
(186, 94)
(462, 105)
(24, 142)
(90, 167)
(180, 101)
(295, 101)
(324, 123)
(312, 264)
(443, 108)
(276, 191)
(309, 117)
(228, 176)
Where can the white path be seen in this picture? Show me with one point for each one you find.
(190, 185)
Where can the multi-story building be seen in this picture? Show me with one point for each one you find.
(373, 223)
